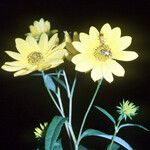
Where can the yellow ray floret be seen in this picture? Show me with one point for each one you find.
(35, 56)
(39, 131)
(39, 27)
(99, 50)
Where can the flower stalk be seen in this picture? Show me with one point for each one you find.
(115, 133)
(88, 110)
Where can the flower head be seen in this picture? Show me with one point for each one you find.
(127, 109)
(99, 51)
(39, 131)
(35, 56)
(40, 27)
(71, 50)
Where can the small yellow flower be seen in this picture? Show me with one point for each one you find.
(71, 50)
(40, 27)
(39, 131)
(127, 109)
(35, 56)
(100, 50)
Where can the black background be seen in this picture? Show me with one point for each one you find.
(24, 101)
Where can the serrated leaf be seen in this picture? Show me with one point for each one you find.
(49, 83)
(61, 82)
(106, 114)
(53, 132)
(118, 140)
(58, 145)
(132, 125)
(81, 147)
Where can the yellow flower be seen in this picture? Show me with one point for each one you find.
(39, 131)
(100, 50)
(40, 27)
(71, 50)
(127, 109)
(35, 56)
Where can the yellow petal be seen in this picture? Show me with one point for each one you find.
(88, 41)
(10, 68)
(67, 37)
(35, 31)
(94, 32)
(114, 41)
(116, 68)
(22, 72)
(107, 73)
(60, 46)
(125, 55)
(116, 32)
(47, 26)
(14, 55)
(51, 63)
(78, 58)
(55, 63)
(43, 43)
(79, 47)
(36, 23)
(15, 64)
(81, 57)
(96, 73)
(59, 54)
(53, 41)
(84, 38)
(124, 42)
(32, 44)
(22, 46)
(41, 24)
(106, 30)
(84, 66)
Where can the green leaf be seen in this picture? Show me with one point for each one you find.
(61, 82)
(132, 125)
(106, 114)
(53, 132)
(49, 83)
(58, 145)
(118, 140)
(81, 147)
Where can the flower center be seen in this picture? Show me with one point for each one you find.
(34, 58)
(103, 52)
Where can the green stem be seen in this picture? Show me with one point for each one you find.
(70, 96)
(67, 84)
(59, 100)
(88, 110)
(115, 133)
(60, 109)
(70, 100)
(68, 125)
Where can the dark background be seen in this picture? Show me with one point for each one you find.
(24, 101)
